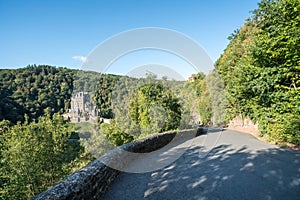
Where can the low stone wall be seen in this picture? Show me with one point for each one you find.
(245, 125)
(92, 181)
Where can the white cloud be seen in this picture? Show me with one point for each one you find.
(80, 58)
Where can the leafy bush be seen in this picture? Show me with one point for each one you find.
(260, 68)
(113, 132)
(155, 105)
(34, 156)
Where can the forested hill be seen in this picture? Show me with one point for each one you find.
(38, 89)
(34, 90)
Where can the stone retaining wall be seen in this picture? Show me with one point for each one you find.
(92, 181)
(246, 125)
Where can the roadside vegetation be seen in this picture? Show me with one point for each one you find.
(261, 70)
(257, 77)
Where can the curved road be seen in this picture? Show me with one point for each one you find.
(218, 165)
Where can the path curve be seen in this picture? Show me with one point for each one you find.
(218, 165)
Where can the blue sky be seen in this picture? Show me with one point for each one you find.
(53, 32)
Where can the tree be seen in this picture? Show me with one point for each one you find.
(35, 155)
(260, 69)
(217, 98)
(152, 104)
(276, 53)
(32, 89)
(103, 95)
(205, 105)
(113, 132)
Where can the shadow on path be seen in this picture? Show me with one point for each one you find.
(226, 172)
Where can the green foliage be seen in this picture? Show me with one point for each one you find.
(86, 81)
(154, 104)
(204, 104)
(93, 139)
(217, 98)
(116, 135)
(237, 72)
(211, 96)
(34, 156)
(199, 84)
(261, 70)
(189, 104)
(103, 96)
(121, 96)
(122, 103)
(125, 90)
(36, 89)
(32, 90)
